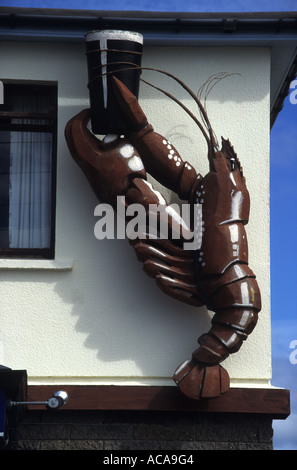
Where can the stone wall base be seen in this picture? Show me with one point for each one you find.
(143, 430)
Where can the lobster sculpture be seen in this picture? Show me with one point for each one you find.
(216, 274)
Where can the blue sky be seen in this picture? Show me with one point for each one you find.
(283, 193)
(160, 5)
(283, 156)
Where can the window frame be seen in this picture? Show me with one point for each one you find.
(51, 126)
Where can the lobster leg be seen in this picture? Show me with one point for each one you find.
(164, 260)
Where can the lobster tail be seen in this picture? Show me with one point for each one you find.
(236, 305)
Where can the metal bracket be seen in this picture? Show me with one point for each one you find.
(58, 400)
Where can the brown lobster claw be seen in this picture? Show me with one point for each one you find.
(114, 168)
(108, 164)
(161, 159)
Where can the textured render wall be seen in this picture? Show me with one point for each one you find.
(93, 316)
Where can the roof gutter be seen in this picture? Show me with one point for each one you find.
(158, 28)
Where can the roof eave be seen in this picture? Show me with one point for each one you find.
(276, 30)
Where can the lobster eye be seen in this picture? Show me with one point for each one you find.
(232, 163)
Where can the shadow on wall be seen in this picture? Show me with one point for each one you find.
(126, 317)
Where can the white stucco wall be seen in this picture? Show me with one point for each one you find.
(93, 316)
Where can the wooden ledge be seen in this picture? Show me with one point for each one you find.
(275, 402)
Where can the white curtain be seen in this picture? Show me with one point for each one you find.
(30, 184)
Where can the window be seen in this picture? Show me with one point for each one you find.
(28, 128)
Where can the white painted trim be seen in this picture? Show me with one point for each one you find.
(1, 93)
(114, 34)
(30, 264)
(139, 381)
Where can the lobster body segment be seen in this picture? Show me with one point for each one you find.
(225, 206)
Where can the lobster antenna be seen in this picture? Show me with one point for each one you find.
(210, 140)
(206, 88)
(182, 106)
(203, 113)
(208, 85)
